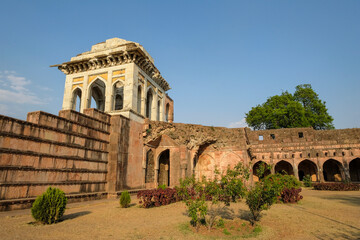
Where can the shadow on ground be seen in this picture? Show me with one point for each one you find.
(349, 200)
(74, 215)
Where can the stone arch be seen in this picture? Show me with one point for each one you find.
(139, 97)
(118, 96)
(167, 112)
(284, 167)
(307, 167)
(76, 99)
(149, 102)
(332, 170)
(204, 166)
(354, 169)
(149, 167)
(97, 91)
(255, 170)
(164, 168)
(230, 159)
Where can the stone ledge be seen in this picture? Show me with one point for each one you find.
(68, 132)
(35, 139)
(75, 158)
(21, 203)
(2, 184)
(73, 170)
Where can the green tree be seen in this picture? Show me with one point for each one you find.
(301, 109)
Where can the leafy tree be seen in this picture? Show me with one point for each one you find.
(301, 109)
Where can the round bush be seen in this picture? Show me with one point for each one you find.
(50, 206)
(125, 199)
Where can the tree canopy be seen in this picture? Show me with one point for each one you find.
(301, 109)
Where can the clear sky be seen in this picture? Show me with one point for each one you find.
(220, 57)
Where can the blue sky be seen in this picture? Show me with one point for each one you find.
(220, 57)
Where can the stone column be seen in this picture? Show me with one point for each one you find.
(109, 98)
(183, 167)
(295, 169)
(84, 94)
(320, 171)
(67, 100)
(154, 106)
(345, 174)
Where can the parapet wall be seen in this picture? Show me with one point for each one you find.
(69, 151)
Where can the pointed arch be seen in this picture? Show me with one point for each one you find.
(118, 96)
(167, 112)
(308, 167)
(149, 102)
(354, 168)
(230, 159)
(164, 168)
(139, 99)
(332, 170)
(204, 166)
(97, 91)
(76, 99)
(284, 167)
(256, 170)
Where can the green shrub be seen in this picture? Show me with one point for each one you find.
(163, 187)
(258, 199)
(276, 183)
(220, 223)
(50, 206)
(125, 199)
(307, 181)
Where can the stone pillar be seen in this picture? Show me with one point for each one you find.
(320, 171)
(154, 106)
(183, 167)
(345, 174)
(109, 93)
(67, 100)
(84, 94)
(295, 169)
(156, 176)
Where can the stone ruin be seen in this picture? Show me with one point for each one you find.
(115, 132)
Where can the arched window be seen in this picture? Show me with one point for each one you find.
(167, 112)
(118, 95)
(139, 99)
(97, 95)
(149, 100)
(76, 100)
(158, 111)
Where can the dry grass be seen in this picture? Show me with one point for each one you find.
(320, 215)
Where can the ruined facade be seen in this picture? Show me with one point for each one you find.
(116, 132)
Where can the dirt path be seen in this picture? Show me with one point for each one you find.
(320, 215)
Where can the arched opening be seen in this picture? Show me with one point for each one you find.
(97, 95)
(307, 167)
(164, 168)
(118, 95)
(260, 170)
(139, 99)
(284, 167)
(149, 170)
(149, 100)
(354, 168)
(158, 111)
(332, 171)
(167, 112)
(76, 100)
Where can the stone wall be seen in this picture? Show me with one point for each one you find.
(69, 151)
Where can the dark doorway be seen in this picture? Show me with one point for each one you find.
(164, 168)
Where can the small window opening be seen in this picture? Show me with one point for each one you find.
(272, 136)
(326, 154)
(293, 155)
(263, 157)
(308, 154)
(317, 154)
(301, 134)
(343, 153)
(261, 137)
(301, 155)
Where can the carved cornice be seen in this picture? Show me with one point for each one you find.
(131, 55)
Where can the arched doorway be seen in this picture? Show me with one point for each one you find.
(332, 171)
(97, 95)
(204, 166)
(307, 167)
(149, 170)
(118, 95)
(284, 167)
(76, 100)
(149, 100)
(354, 168)
(164, 168)
(258, 167)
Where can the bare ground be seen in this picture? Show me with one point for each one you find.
(320, 215)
